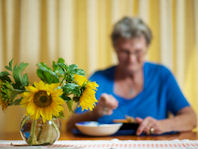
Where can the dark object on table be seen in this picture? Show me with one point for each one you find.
(129, 126)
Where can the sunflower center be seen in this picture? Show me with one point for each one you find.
(42, 99)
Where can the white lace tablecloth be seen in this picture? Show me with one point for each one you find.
(110, 144)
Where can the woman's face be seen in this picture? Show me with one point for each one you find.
(131, 53)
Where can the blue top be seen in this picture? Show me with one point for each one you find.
(160, 95)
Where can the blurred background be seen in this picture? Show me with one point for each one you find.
(79, 31)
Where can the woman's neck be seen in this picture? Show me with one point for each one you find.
(133, 76)
(128, 85)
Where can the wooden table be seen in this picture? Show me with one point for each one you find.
(68, 140)
(70, 136)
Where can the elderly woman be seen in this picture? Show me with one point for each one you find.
(136, 88)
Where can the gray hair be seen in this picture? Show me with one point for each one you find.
(129, 27)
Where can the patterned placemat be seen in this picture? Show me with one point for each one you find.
(111, 144)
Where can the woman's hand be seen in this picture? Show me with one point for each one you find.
(106, 104)
(150, 126)
(185, 120)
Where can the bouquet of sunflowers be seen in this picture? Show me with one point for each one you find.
(44, 100)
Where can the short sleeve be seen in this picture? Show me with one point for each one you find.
(175, 98)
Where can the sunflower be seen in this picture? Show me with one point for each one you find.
(3, 104)
(43, 100)
(87, 99)
(80, 80)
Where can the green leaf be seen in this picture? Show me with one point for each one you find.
(80, 72)
(77, 92)
(46, 74)
(17, 72)
(61, 60)
(7, 92)
(69, 77)
(73, 68)
(4, 76)
(65, 97)
(10, 65)
(70, 88)
(18, 77)
(25, 80)
(40, 74)
(4, 73)
(69, 104)
(60, 68)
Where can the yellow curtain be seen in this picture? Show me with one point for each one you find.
(79, 31)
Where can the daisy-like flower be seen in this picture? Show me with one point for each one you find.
(43, 100)
(87, 99)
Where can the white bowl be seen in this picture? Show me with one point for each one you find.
(93, 128)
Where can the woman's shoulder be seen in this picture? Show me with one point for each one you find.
(157, 69)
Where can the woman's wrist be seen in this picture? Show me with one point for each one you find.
(96, 114)
(92, 115)
(166, 125)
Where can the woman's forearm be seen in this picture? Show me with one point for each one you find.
(185, 120)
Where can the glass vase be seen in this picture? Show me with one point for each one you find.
(36, 132)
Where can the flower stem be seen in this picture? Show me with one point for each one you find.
(62, 80)
(32, 139)
(56, 127)
(40, 131)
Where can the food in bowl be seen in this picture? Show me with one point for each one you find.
(128, 119)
